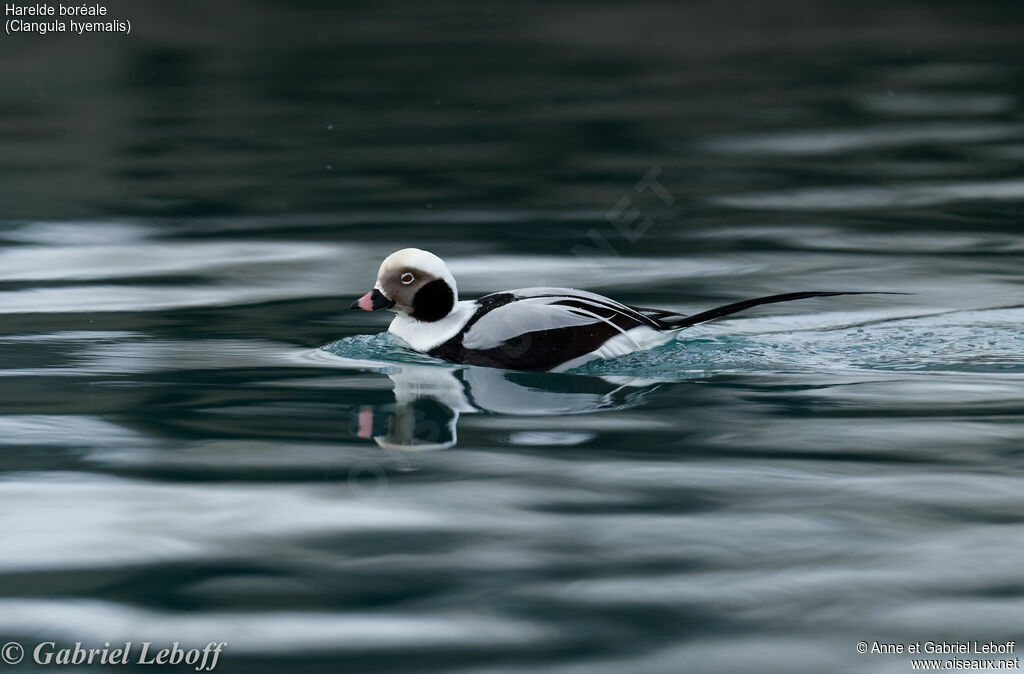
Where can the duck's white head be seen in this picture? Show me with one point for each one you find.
(413, 282)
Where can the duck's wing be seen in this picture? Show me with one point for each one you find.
(508, 315)
(600, 304)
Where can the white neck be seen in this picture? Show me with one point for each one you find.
(423, 336)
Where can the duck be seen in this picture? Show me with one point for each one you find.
(533, 329)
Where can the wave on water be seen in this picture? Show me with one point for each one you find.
(381, 347)
(960, 342)
(978, 342)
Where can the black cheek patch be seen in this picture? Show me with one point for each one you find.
(433, 301)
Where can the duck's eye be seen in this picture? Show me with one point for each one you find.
(407, 278)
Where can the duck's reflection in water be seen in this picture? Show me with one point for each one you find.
(429, 400)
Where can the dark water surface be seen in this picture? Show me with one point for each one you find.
(199, 443)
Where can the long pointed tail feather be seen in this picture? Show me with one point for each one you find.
(718, 312)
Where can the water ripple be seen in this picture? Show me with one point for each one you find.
(907, 195)
(840, 141)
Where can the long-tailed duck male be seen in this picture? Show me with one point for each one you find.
(527, 329)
